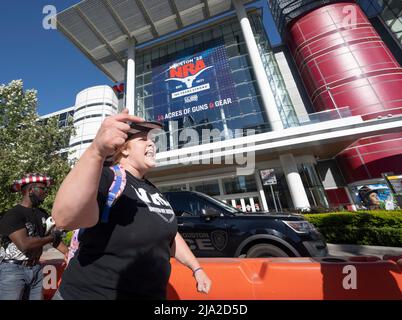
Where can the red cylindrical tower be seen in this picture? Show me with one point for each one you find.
(344, 63)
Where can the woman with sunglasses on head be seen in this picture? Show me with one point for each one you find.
(124, 254)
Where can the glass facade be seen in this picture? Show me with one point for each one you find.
(245, 110)
(64, 118)
(208, 187)
(392, 16)
(242, 192)
(176, 187)
(239, 184)
(313, 185)
(278, 195)
(276, 81)
(390, 12)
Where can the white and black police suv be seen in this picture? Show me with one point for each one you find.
(213, 229)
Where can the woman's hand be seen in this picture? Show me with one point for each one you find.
(203, 282)
(183, 254)
(113, 133)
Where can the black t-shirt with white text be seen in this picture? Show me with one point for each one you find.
(19, 217)
(129, 256)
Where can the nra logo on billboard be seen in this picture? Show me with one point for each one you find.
(188, 74)
(193, 84)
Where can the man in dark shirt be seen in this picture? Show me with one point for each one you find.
(23, 232)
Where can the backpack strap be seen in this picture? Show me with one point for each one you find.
(115, 191)
(74, 244)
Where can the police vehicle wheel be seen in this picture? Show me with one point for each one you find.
(265, 250)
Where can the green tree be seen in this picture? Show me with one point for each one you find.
(28, 143)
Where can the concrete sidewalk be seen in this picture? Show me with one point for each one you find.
(50, 253)
(349, 250)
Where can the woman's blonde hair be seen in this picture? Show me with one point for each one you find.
(119, 154)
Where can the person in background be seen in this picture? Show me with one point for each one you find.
(23, 234)
(369, 198)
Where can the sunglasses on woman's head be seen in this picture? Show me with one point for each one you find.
(136, 127)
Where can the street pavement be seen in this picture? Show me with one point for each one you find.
(338, 250)
(348, 250)
(50, 253)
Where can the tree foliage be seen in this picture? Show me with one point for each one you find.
(28, 143)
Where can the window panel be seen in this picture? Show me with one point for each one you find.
(148, 78)
(239, 184)
(208, 187)
(397, 26)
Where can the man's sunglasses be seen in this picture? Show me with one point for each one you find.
(44, 189)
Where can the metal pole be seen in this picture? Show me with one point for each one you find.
(333, 101)
(261, 190)
(279, 200)
(273, 197)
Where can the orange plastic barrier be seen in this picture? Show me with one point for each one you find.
(52, 272)
(291, 278)
(286, 279)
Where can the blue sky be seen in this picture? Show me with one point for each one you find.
(44, 59)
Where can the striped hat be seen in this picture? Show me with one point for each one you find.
(31, 178)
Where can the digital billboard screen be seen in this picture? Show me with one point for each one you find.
(193, 85)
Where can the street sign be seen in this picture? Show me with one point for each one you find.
(268, 177)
